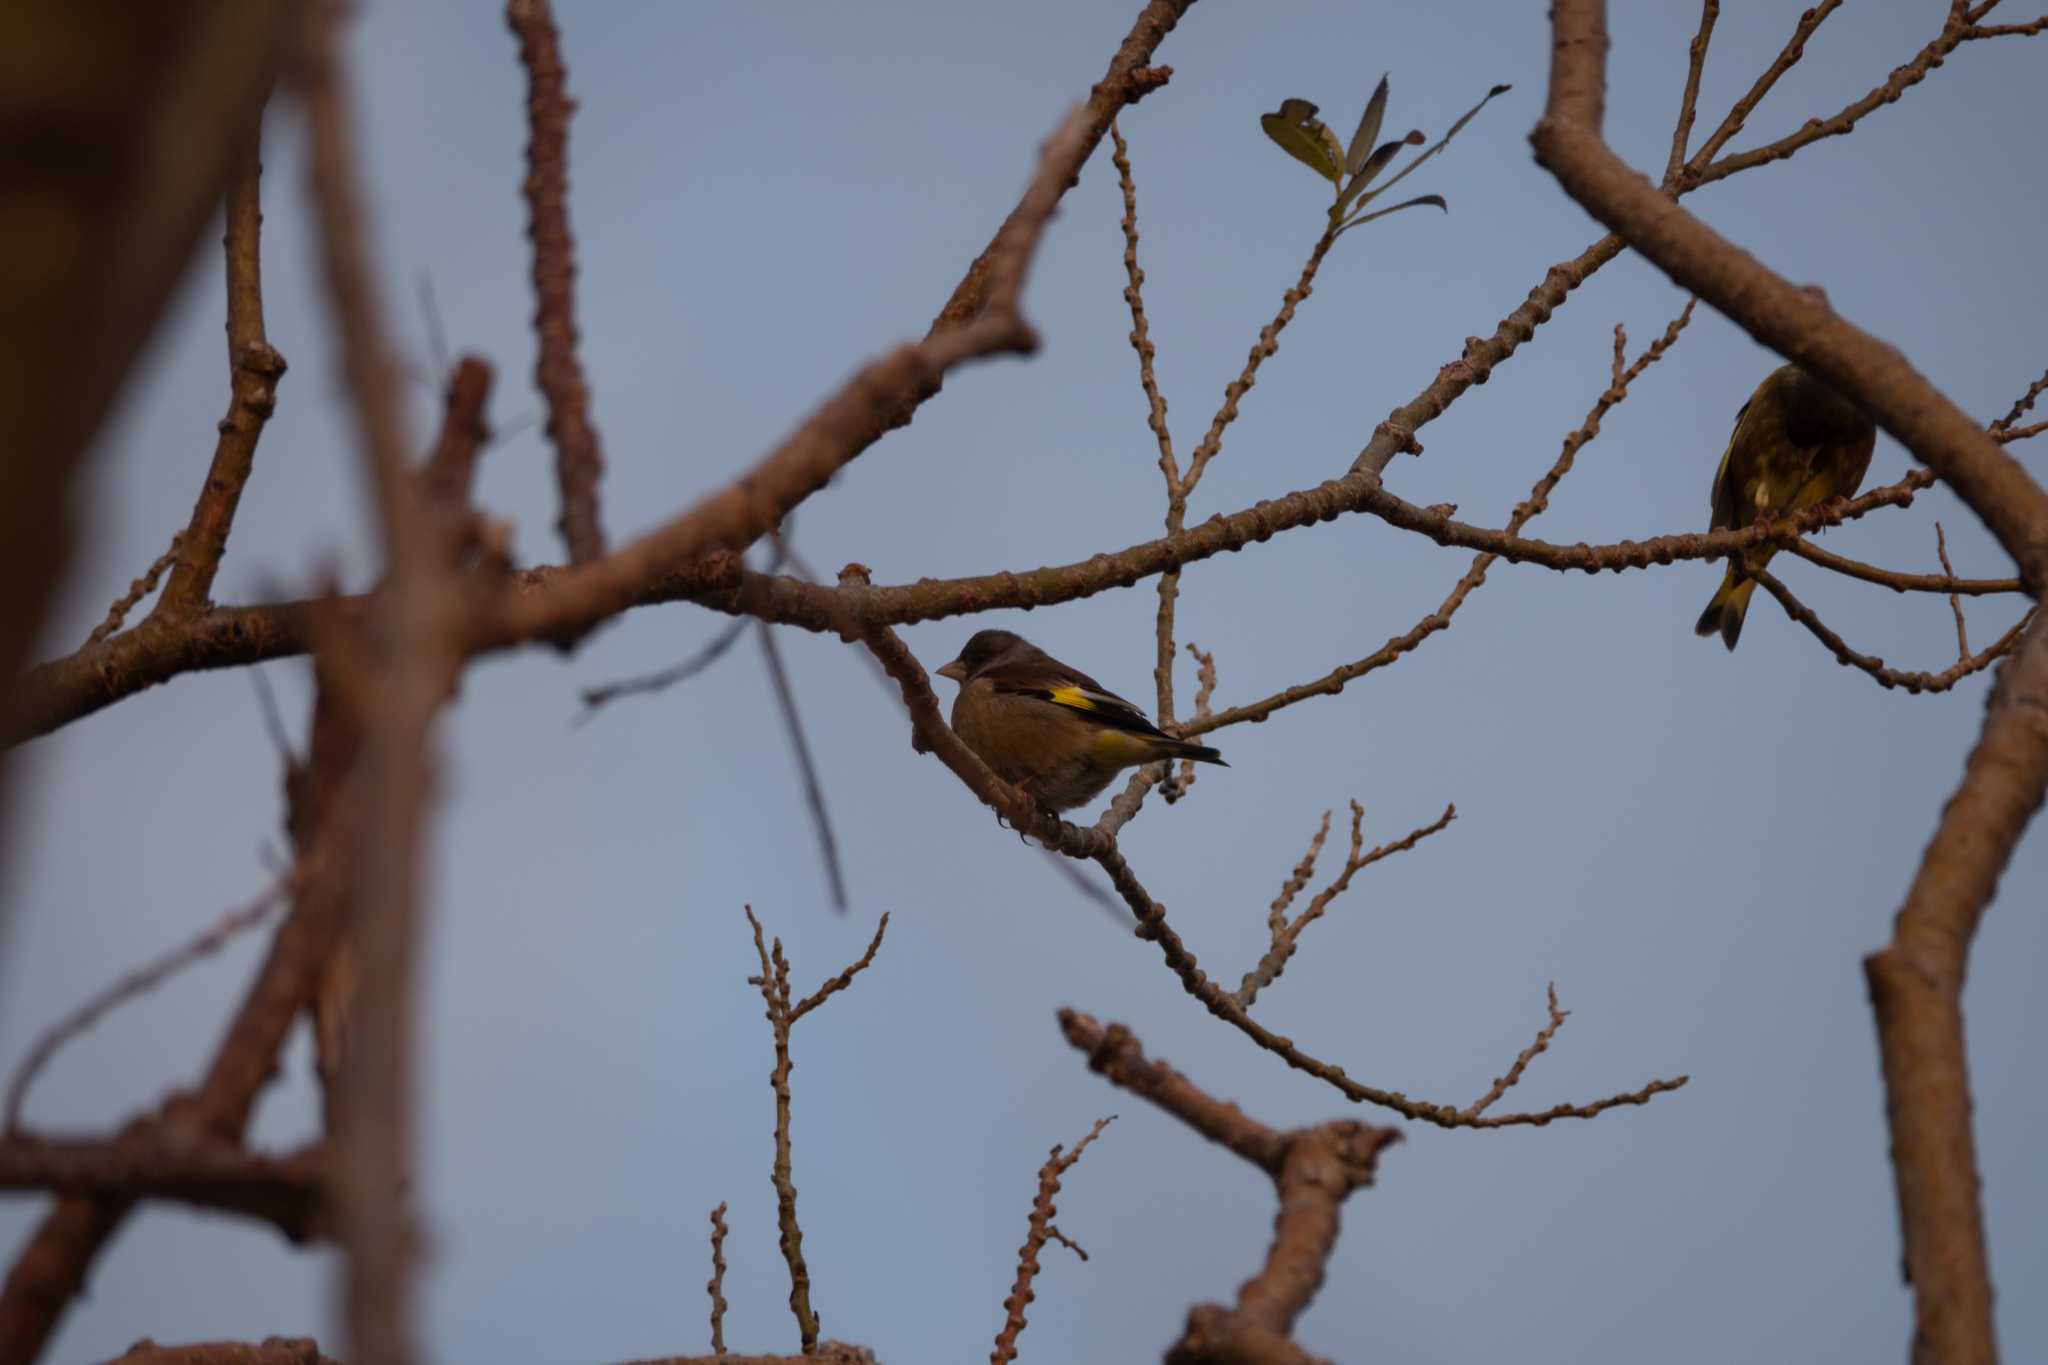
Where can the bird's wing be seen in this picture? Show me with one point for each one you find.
(1727, 489)
(1076, 692)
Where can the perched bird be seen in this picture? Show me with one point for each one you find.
(1797, 443)
(1052, 732)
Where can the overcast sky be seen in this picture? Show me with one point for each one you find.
(1698, 848)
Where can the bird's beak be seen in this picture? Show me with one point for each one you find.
(955, 670)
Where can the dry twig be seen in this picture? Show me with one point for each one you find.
(1503, 1084)
(782, 1016)
(131, 986)
(715, 1286)
(254, 369)
(1039, 1230)
(579, 458)
(1286, 935)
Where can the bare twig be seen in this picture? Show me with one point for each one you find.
(1503, 1084)
(254, 369)
(1038, 1231)
(1141, 336)
(1955, 603)
(130, 986)
(1475, 574)
(1904, 582)
(579, 460)
(1688, 104)
(1286, 935)
(1175, 785)
(117, 611)
(807, 768)
(2021, 406)
(1211, 444)
(782, 1016)
(597, 698)
(1888, 678)
(715, 1286)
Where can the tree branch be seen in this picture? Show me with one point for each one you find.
(254, 369)
(579, 458)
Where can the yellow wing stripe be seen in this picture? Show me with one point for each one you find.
(1074, 697)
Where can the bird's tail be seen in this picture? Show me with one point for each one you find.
(1725, 611)
(1182, 748)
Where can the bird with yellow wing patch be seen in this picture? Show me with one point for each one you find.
(1797, 443)
(1051, 731)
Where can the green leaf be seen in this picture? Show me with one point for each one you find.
(1374, 164)
(1435, 200)
(1368, 128)
(1302, 136)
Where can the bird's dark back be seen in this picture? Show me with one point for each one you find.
(1814, 414)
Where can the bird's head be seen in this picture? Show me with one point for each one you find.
(983, 648)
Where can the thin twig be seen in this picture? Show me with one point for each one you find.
(1788, 56)
(1212, 443)
(1038, 1230)
(1688, 104)
(142, 587)
(131, 986)
(1175, 785)
(1286, 936)
(597, 698)
(1141, 336)
(715, 1287)
(1903, 582)
(254, 369)
(1955, 603)
(1475, 574)
(579, 458)
(807, 768)
(782, 1017)
(1503, 1084)
(2021, 406)
(1889, 678)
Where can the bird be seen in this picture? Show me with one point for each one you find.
(1797, 443)
(1050, 730)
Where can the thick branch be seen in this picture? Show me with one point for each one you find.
(153, 1164)
(1916, 986)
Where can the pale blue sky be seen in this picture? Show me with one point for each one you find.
(1696, 847)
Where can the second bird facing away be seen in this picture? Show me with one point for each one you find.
(1797, 443)
(1049, 730)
